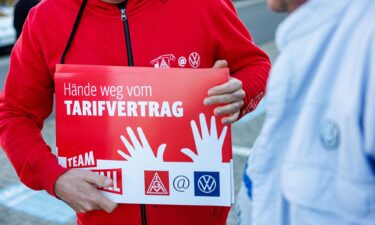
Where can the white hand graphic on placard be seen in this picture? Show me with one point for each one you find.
(140, 152)
(209, 145)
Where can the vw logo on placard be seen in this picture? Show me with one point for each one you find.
(207, 183)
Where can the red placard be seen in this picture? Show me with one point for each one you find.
(139, 116)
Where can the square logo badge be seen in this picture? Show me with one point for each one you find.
(156, 183)
(207, 184)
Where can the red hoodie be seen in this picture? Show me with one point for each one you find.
(164, 33)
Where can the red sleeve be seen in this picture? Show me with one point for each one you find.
(25, 102)
(246, 61)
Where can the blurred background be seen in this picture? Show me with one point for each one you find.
(22, 206)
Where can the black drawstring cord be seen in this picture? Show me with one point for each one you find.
(74, 30)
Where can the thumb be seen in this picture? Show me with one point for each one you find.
(106, 204)
(190, 154)
(161, 150)
(98, 180)
(221, 64)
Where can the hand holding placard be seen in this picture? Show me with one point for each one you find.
(209, 145)
(139, 152)
(77, 188)
(231, 94)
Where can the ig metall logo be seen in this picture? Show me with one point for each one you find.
(207, 184)
(181, 183)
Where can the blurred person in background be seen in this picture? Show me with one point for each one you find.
(21, 10)
(314, 161)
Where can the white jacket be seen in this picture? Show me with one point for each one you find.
(314, 161)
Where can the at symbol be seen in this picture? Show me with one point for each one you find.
(182, 61)
(181, 183)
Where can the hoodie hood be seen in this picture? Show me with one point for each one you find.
(133, 6)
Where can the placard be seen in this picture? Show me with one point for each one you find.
(148, 130)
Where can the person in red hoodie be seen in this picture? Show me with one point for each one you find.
(158, 33)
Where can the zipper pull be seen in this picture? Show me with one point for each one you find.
(123, 15)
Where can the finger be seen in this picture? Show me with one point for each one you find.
(225, 98)
(76, 207)
(222, 135)
(204, 127)
(221, 64)
(231, 119)
(123, 155)
(161, 151)
(84, 205)
(231, 86)
(213, 130)
(228, 108)
(96, 179)
(106, 204)
(89, 206)
(196, 134)
(190, 154)
(128, 146)
(143, 139)
(133, 139)
(79, 209)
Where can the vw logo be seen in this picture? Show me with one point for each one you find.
(194, 60)
(207, 184)
(330, 134)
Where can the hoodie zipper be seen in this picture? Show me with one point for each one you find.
(124, 18)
